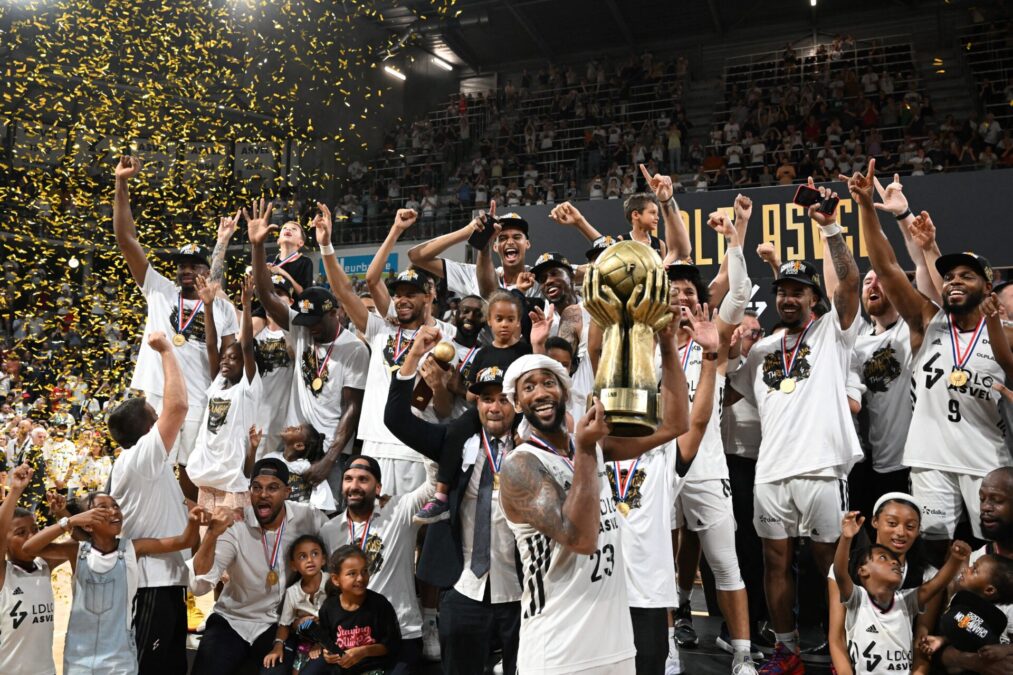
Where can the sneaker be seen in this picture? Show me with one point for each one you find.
(724, 642)
(684, 633)
(743, 665)
(673, 665)
(194, 616)
(430, 639)
(432, 512)
(783, 662)
(818, 654)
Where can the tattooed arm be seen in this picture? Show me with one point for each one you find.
(571, 326)
(846, 295)
(530, 495)
(226, 228)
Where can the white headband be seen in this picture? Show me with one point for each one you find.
(525, 365)
(898, 496)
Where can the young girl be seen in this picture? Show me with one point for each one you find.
(301, 446)
(505, 310)
(274, 363)
(307, 557)
(99, 634)
(219, 455)
(363, 622)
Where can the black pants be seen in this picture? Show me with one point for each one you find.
(650, 637)
(468, 629)
(223, 652)
(408, 657)
(160, 630)
(748, 547)
(866, 485)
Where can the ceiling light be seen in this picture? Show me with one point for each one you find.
(394, 72)
(442, 64)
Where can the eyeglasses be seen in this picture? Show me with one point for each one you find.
(271, 489)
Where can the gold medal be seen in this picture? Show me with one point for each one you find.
(179, 339)
(393, 369)
(495, 481)
(787, 385)
(272, 578)
(624, 509)
(318, 384)
(958, 378)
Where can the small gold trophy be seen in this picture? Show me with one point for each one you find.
(626, 294)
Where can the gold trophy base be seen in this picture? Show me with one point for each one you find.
(631, 412)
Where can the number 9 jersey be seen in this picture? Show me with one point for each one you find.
(574, 612)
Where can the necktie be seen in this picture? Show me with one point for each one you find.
(483, 516)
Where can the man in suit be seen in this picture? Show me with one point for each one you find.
(473, 554)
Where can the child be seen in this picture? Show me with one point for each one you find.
(879, 615)
(362, 621)
(301, 447)
(216, 464)
(505, 309)
(307, 557)
(99, 634)
(973, 620)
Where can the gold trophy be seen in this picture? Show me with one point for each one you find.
(626, 294)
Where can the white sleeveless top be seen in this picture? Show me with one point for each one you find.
(956, 429)
(26, 621)
(710, 461)
(574, 610)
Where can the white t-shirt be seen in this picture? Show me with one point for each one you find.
(740, 424)
(574, 610)
(881, 380)
(382, 337)
(26, 621)
(300, 603)
(463, 279)
(220, 452)
(710, 461)
(880, 639)
(647, 550)
(955, 429)
(808, 432)
(320, 495)
(163, 315)
(274, 363)
(103, 563)
(347, 367)
(152, 503)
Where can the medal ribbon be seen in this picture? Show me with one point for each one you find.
(685, 357)
(788, 365)
(398, 351)
(540, 442)
(467, 358)
(623, 486)
(272, 559)
(327, 356)
(278, 262)
(960, 359)
(183, 325)
(494, 462)
(365, 532)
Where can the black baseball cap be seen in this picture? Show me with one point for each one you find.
(312, 304)
(978, 263)
(281, 283)
(364, 462)
(193, 253)
(493, 375)
(800, 271)
(682, 270)
(271, 466)
(599, 245)
(412, 277)
(549, 260)
(512, 220)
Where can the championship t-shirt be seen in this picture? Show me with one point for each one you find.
(462, 279)
(808, 431)
(274, 363)
(219, 454)
(164, 315)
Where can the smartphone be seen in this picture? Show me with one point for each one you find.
(480, 239)
(829, 205)
(806, 196)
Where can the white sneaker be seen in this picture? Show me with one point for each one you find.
(430, 639)
(743, 665)
(673, 666)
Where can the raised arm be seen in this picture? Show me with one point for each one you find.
(174, 401)
(740, 287)
(339, 282)
(123, 220)
(959, 553)
(41, 541)
(207, 291)
(922, 231)
(226, 228)
(529, 494)
(258, 228)
(427, 254)
(188, 538)
(204, 560)
(846, 296)
(705, 334)
(19, 478)
(895, 203)
(404, 219)
(769, 255)
(851, 525)
(246, 330)
(997, 334)
(568, 215)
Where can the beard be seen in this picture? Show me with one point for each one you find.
(971, 302)
(553, 425)
(999, 531)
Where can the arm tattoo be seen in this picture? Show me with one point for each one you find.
(530, 495)
(571, 325)
(844, 265)
(218, 262)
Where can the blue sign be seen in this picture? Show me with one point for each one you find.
(356, 265)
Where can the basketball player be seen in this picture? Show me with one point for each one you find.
(808, 446)
(558, 501)
(958, 351)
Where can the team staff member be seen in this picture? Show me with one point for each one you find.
(173, 309)
(797, 381)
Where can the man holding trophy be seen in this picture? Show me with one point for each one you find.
(554, 489)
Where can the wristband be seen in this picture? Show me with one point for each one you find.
(670, 200)
(64, 523)
(830, 230)
(279, 641)
(710, 356)
(904, 215)
(327, 249)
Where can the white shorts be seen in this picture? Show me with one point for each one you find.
(400, 476)
(702, 504)
(945, 496)
(800, 507)
(187, 437)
